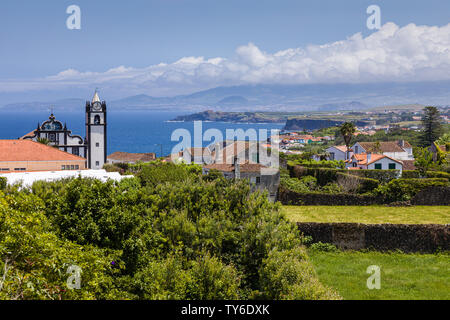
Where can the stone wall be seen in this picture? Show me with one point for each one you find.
(382, 237)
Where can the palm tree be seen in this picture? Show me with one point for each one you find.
(347, 130)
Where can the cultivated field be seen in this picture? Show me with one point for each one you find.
(369, 214)
(403, 276)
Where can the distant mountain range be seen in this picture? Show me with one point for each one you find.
(283, 98)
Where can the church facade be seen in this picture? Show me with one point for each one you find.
(93, 147)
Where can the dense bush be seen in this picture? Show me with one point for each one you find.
(405, 189)
(321, 198)
(3, 183)
(327, 175)
(353, 183)
(334, 164)
(383, 176)
(323, 175)
(166, 234)
(415, 174)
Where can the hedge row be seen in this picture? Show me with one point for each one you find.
(289, 197)
(382, 237)
(332, 164)
(405, 189)
(323, 175)
(356, 183)
(327, 175)
(383, 176)
(415, 174)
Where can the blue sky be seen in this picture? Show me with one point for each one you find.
(138, 34)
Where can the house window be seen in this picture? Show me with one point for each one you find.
(20, 169)
(258, 180)
(378, 166)
(356, 149)
(392, 166)
(332, 156)
(5, 169)
(355, 164)
(63, 167)
(97, 144)
(77, 167)
(72, 167)
(97, 163)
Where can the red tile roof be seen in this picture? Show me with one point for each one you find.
(26, 150)
(132, 157)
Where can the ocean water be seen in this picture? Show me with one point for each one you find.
(138, 131)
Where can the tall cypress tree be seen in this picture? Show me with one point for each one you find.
(432, 127)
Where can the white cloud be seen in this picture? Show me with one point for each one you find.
(410, 53)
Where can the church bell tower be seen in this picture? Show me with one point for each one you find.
(96, 133)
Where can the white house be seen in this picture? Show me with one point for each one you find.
(372, 161)
(338, 153)
(399, 150)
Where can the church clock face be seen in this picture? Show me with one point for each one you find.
(97, 106)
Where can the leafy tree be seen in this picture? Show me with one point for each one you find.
(432, 127)
(424, 160)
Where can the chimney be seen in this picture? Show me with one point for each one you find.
(237, 168)
(369, 157)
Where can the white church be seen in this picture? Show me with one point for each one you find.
(93, 147)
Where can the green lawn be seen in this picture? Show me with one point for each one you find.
(403, 276)
(369, 214)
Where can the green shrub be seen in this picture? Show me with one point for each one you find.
(405, 189)
(353, 183)
(438, 174)
(383, 176)
(3, 183)
(410, 174)
(323, 175)
(289, 275)
(323, 247)
(333, 164)
(170, 234)
(415, 174)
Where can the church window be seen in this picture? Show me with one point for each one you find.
(97, 144)
(97, 119)
(97, 163)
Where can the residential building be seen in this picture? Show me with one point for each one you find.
(260, 177)
(399, 150)
(373, 161)
(27, 155)
(338, 153)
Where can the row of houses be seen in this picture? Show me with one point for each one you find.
(383, 155)
(250, 160)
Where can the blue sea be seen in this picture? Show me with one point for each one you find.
(136, 131)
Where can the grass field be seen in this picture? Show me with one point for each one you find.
(369, 214)
(403, 276)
